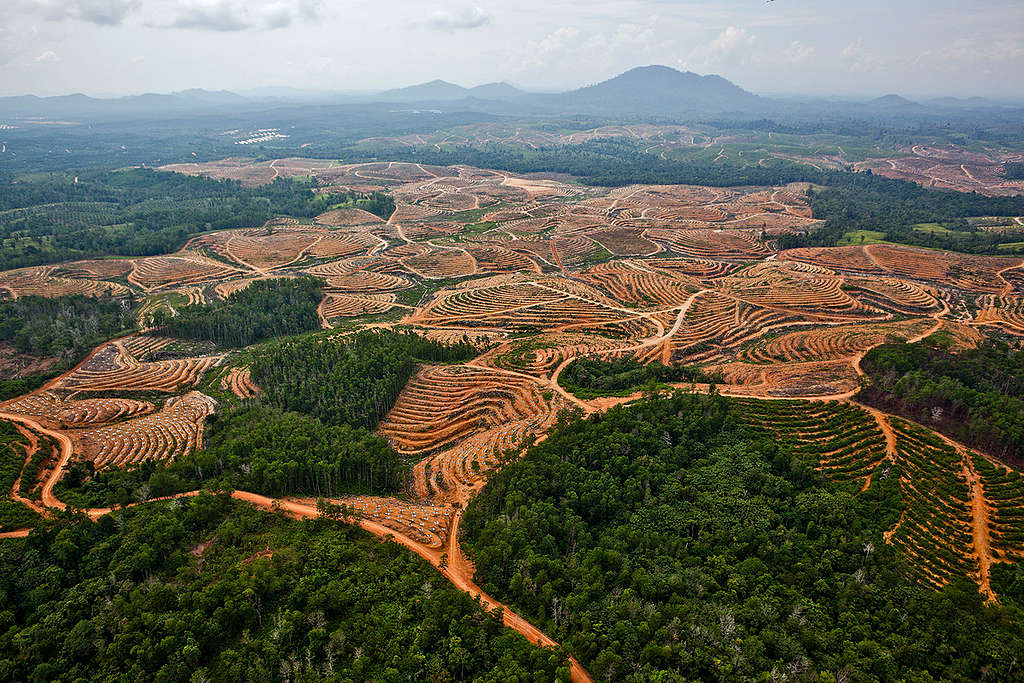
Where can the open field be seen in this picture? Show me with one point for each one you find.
(538, 273)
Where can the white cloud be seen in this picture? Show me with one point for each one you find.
(137, 58)
(732, 46)
(558, 40)
(796, 52)
(456, 20)
(47, 56)
(858, 58)
(852, 50)
(731, 40)
(102, 12)
(242, 15)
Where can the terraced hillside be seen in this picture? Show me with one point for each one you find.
(537, 273)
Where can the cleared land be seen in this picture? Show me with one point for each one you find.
(949, 168)
(539, 273)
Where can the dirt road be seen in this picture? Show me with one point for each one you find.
(48, 499)
(458, 570)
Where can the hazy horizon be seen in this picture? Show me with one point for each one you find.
(118, 47)
(266, 90)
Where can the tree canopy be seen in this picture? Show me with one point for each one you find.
(866, 201)
(264, 309)
(664, 541)
(347, 380)
(210, 589)
(974, 395)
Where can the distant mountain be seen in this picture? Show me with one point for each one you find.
(964, 102)
(658, 90)
(651, 92)
(82, 106)
(436, 90)
(891, 102)
(495, 91)
(207, 96)
(441, 91)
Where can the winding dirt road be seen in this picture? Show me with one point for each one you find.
(458, 570)
(49, 500)
(449, 559)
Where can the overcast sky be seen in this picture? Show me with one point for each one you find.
(827, 47)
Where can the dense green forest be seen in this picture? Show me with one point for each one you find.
(1013, 170)
(608, 162)
(259, 448)
(18, 386)
(975, 396)
(13, 514)
(664, 541)
(593, 377)
(64, 328)
(264, 309)
(254, 448)
(211, 589)
(352, 380)
(141, 212)
(865, 201)
(309, 433)
(82, 487)
(378, 203)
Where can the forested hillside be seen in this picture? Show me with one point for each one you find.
(864, 201)
(66, 326)
(593, 377)
(974, 395)
(662, 541)
(353, 380)
(264, 309)
(57, 332)
(140, 212)
(1013, 170)
(210, 589)
(378, 203)
(261, 449)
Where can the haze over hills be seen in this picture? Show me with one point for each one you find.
(651, 91)
(657, 90)
(443, 90)
(434, 90)
(79, 105)
(497, 91)
(891, 102)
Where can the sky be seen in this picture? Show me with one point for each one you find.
(779, 47)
